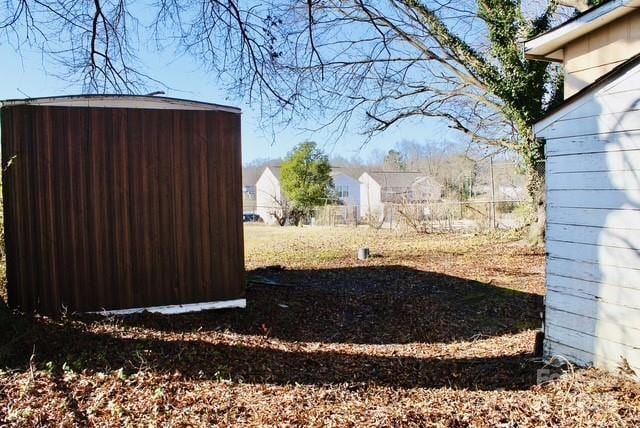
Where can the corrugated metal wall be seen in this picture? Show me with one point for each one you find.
(111, 208)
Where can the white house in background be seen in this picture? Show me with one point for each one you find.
(384, 187)
(346, 185)
(592, 312)
(269, 196)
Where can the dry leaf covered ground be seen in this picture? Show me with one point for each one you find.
(432, 330)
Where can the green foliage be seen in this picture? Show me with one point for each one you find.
(306, 179)
(521, 84)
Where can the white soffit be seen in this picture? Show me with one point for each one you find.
(548, 46)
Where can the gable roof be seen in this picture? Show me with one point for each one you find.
(275, 170)
(250, 176)
(353, 172)
(547, 45)
(396, 178)
(563, 108)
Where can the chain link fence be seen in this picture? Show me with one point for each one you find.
(430, 217)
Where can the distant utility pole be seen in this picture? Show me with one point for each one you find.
(493, 195)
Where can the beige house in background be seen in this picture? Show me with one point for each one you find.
(381, 188)
(592, 152)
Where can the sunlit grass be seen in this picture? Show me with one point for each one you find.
(307, 246)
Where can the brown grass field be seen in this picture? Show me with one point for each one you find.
(432, 330)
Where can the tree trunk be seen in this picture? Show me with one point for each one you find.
(280, 219)
(536, 188)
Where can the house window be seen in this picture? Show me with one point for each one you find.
(249, 192)
(342, 191)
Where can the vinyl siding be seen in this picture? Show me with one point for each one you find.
(370, 197)
(268, 196)
(593, 232)
(598, 52)
(352, 185)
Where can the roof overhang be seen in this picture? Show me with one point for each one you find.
(629, 67)
(120, 101)
(549, 46)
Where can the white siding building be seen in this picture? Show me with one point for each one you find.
(347, 187)
(370, 197)
(269, 196)
(592, 311)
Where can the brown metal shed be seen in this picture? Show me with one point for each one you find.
(122, 203)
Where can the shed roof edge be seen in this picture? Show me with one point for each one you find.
(120, 101)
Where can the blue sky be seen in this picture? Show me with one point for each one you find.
(30, 74)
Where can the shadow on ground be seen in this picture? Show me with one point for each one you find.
(57, 346)
(368, 305)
